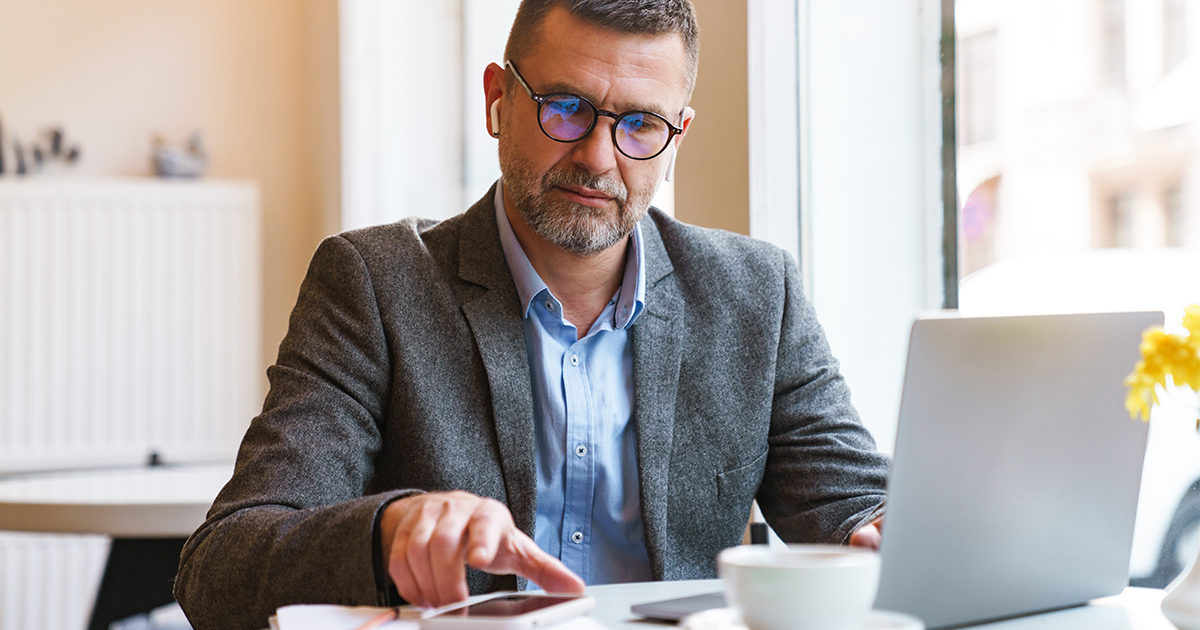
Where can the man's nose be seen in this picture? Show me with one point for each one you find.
(596, 151)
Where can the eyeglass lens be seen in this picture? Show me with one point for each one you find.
(568, 118)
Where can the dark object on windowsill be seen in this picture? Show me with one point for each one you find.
(56, 141)
(20, 151)
(53, 148)
(50, 151)
(179, 162)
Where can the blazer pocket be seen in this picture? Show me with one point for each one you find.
(740, 484)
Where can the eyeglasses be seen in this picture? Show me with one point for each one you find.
(567, 117)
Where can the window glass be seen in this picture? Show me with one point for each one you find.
(1078, 177)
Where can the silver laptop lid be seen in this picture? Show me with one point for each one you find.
(1016, 472)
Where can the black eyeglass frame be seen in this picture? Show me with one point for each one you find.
(541, 99)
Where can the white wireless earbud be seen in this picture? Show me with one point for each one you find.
(496, 117)
(671, 164)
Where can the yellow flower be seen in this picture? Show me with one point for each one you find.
(1191, 321)
(1142, 393)
(1165, 354)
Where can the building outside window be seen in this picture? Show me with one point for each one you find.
(1084, 198)
(1112, 43)
(977, 87)
(1176, 227)
(1117, 226)
(1174, 33)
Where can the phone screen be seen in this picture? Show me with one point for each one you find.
(508, 606)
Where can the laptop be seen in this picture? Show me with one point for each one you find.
(1015, 478)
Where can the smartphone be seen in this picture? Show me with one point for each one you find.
(511, 611)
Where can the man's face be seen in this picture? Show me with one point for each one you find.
(585, 196)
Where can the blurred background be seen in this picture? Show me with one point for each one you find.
(998, 156)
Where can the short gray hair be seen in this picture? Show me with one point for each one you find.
(653, 17)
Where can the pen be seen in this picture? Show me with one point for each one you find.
(381, 619)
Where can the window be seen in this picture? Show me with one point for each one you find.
(1176, 219)
(1081, 200)
(977, 87)
(1174, 33)
(1118, 224)
(1112, 42)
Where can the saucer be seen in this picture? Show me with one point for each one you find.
(727, 619)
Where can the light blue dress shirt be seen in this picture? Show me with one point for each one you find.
(589, 512)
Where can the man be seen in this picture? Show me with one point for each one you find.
(551, 388)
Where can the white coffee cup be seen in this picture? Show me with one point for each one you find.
(802, 587)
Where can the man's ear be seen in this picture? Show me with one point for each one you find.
(493, 93)
(688, 115)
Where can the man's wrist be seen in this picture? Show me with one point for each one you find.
(385, 591)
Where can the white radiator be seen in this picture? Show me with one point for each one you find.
(130, 320)
(130, 324)
(48, 582)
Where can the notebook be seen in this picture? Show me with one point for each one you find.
(1016, 471)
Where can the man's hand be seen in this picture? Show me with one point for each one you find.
(868, 536)
(428, 539)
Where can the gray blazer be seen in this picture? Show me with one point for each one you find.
(404, 369)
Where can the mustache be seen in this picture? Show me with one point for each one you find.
(609, 187)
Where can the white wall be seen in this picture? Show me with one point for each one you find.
(873, 135)
(259, 79)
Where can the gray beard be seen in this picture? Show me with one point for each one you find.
(579, 229)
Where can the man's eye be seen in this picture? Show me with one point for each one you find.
(642, 124)
(564, 107)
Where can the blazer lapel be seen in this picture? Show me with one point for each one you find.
(496, 321)
(656, 357)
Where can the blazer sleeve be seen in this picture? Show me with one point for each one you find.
(824, 477)
(293, 524)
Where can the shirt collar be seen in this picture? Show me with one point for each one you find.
(630, 303)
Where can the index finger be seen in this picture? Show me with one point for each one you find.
(530, 562)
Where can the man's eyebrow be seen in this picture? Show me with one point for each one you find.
(654, 108)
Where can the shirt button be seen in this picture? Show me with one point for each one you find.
(581, 450)
(549, 306)
(574, 360)
(577, 537)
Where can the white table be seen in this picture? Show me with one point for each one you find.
(138, 502)
(1134, 609)
(148, 511)
(171, 501)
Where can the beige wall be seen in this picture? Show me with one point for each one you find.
(259, 78)
(712, 177)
